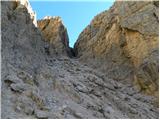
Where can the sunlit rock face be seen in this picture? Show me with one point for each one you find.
(38, 82)
(123, 43)
(55, 34)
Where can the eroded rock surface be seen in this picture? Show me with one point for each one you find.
(55, 33)
(123, 43)
(38, 85)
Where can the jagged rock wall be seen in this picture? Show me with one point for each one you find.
(22, 55)
(123, 43)
(55, 33)
(26, 4)
(19, 32)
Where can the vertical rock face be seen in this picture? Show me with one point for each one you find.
(123, 42)
(26, 4)
(22, 43)
(55, 34)
(22, 52)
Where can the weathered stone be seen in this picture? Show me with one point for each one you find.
(12, 79)
(56, 86)
(125, 38)
(41, 114)
(24, 104)
(19, 87)
(55, 34)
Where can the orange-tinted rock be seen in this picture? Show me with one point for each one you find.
(55, 33)
(123, 43)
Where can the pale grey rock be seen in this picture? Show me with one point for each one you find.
(12, 79)
(25, 104)
(41, 114)
(19, 87)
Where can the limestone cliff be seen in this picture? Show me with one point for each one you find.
(55, 33)
(37, 84)
(23, 54)
(123, 43)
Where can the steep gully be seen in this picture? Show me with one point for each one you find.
(123, 41)
(39, 80)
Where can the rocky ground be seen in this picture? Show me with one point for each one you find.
(66, 88)
(43, 78)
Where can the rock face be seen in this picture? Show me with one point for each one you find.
(123, 43)
(55, 33)
(37, 84)
(22, 55)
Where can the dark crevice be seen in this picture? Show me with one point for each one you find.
(156, 3)
(154, 14)
(45, 25)
(47, 50)
(73, 55)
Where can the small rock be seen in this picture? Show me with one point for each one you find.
(12, 79)
(24, 104)
(19, 87)
(41, 114)
(78, 115)
(80, 87)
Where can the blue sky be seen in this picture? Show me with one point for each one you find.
(76, 15)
